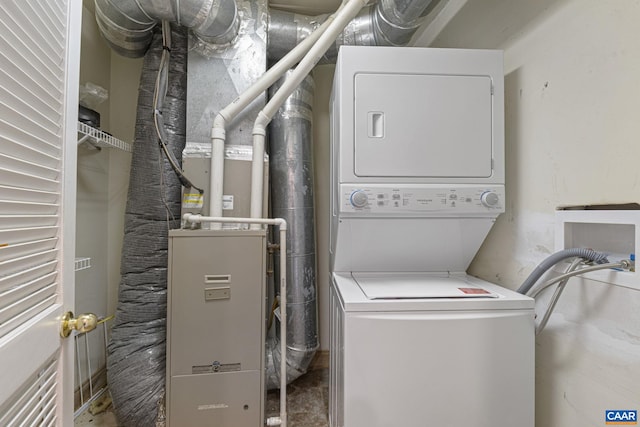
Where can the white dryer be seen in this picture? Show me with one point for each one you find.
(417, 181)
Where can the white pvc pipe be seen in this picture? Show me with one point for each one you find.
(276, 71)
(227, 114)
(216, 179)
(282, 226)
(340, 20)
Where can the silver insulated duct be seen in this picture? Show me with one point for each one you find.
(127, 25)
(386, 23)
(136, 354)
(291, 172)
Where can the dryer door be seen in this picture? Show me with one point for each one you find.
(423, 126)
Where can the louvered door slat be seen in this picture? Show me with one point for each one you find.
(10, 79)
(17, 179)
(50, 53)
(55, 23)
(17, 293)
(29, 167)
(27, 262)
(54, 8)
(28, 195)
(10, 132)
(15, 98)
(49, 413)
(22, 311)
(39, 72)
(28, 221)
(47, 45)
(25, 400)
(31, 75)
(25, 93)
(21, 235)
(14, 211)
(18, 150)
(25, 74)
(19, 250)
(41, 415)
(18, 115)
(23, 276)
(10, 207)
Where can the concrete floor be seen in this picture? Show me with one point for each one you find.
(307, 401)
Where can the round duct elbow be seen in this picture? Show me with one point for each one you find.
(220, 25)
(287, 29)
(385, 23)
(127, 25)
(395, 21)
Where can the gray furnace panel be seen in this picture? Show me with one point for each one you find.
(216, 328)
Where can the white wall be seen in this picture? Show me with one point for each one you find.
(103, 178)
(125, 78)
(91, 210)
(323, 77)
(572, 71)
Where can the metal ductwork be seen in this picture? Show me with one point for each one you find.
(291, 172)
(136, 354)
(127, 25)
(137, 349)
(386, 23)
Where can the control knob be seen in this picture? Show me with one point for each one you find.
(359, 199)
(489, 199)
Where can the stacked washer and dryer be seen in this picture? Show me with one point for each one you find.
(417, 181)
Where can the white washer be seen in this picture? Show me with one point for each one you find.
(417, 181)
(459, 355)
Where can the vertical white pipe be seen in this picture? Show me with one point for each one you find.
(257, 173)
(283, 323)
(216, 176)
(227, 114)
(344, 15)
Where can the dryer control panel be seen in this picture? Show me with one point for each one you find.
(421, 200)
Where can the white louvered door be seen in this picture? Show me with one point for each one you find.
(39, 66)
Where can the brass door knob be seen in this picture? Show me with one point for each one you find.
(83, 323)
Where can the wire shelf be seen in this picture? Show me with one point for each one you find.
(99, 138)
(82, 263)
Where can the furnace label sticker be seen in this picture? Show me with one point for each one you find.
(227, 202)
(192, 200)
(212, 406)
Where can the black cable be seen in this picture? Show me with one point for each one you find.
(158, 99)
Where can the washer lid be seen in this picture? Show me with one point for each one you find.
(418, 286)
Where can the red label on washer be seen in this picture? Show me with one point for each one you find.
(474, 291)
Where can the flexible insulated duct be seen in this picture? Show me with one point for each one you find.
(128, 25)
(136, 353)
(386, 23)
(291, 172)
